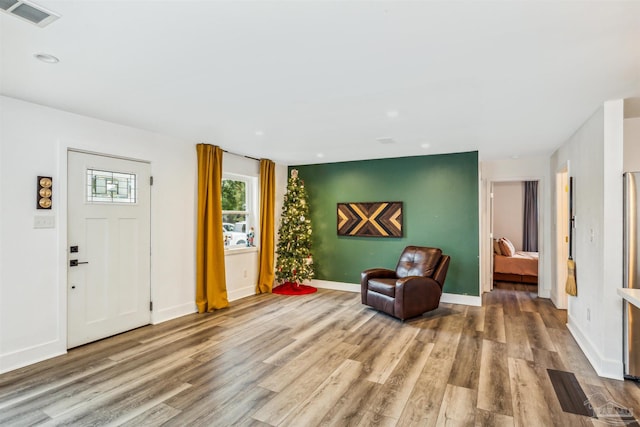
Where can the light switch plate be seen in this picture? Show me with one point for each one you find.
(44, 221)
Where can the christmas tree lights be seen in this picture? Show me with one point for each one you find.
(294, 263)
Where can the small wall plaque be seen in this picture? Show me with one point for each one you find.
(45, 192)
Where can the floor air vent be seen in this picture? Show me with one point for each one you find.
(29, 12)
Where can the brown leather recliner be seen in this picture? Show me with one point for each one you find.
(413, 288)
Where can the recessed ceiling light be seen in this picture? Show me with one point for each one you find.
(320, 155)
(515, 156)
(259, 133)
(45, 57)
(392, 114)
(425, 145)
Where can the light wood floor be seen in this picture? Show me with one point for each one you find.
(321, 359)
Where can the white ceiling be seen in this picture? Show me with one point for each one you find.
(504, 78)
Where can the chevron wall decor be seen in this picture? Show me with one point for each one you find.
(377, 219)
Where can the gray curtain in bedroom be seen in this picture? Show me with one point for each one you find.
(530, 238)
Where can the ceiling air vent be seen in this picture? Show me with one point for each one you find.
(386, 140)
(28, 11)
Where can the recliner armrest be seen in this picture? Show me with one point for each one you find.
(411, 283)
(370, 274)
(380, 273)
(415, 295)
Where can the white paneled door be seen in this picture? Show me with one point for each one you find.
(109, 237)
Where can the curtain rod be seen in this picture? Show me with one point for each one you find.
(236, 154)
(241, 155)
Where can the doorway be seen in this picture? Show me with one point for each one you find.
(515, 215)
(109, 237)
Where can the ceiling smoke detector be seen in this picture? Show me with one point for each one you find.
(29, 12)
(386, 140)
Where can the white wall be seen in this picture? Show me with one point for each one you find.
(508, 211)
(33, 290)
(34, 141)
(595, 315)
(523, 169)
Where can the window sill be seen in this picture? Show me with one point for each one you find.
(240, 250)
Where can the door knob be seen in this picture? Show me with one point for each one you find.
(75, 263)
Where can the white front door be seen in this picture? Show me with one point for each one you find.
(109, 237)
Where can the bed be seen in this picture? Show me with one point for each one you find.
(510, 265)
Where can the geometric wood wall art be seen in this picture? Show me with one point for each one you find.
(377, 219)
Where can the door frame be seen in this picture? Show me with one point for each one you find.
(61, 200)
(561, 213)
(542, 255)
(486, 237)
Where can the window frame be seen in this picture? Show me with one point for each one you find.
(91, 176)
(251, 204)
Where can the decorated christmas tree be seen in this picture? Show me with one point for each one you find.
(294, 264)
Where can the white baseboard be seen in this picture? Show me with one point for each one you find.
(236, 294)
(606, 368)
(336, 286)
(29, 356)
(544, 293)
(351, 287)
(174, 312)
(461, 299)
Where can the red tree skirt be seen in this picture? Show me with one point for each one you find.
(290, 288)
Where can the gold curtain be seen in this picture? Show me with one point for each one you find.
(211, 287)
(266, 271)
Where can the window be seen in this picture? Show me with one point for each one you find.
(110, 187)
(238, 203)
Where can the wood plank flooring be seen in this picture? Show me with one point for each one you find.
(322, 359)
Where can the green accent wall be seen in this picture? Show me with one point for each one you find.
(440, 209)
